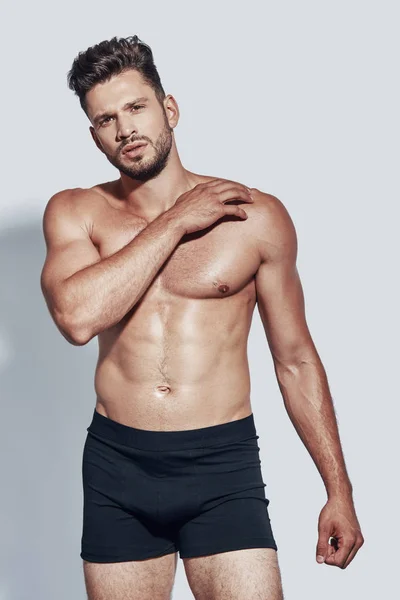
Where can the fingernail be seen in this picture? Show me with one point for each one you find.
(320, 558)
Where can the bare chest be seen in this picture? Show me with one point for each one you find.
(215, 263)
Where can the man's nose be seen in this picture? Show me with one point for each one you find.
(126, 128)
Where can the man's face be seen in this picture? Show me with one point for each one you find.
(125, 110)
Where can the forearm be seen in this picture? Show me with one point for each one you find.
(100, 295)
(308, 402)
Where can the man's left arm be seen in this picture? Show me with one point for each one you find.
(302, 378)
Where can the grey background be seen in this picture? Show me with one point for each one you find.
(298, 99)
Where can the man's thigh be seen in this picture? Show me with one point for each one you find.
(236, 575)
(149, 579)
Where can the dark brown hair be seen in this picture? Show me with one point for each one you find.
(99, 63)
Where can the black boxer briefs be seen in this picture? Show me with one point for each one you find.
(150, 493)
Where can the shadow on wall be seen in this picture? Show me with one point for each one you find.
(47, 400)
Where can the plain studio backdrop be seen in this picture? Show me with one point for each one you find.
(298, 99)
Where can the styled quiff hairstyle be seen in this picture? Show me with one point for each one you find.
(101, 62)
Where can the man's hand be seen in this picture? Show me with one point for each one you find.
(338, 520)
(204, 204)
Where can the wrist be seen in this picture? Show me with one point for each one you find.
(343, 490)
(173, 218)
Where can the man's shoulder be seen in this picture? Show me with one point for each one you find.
(267, 205)
(270, 216)
(78, 200)
(76, 195)
(273, 225)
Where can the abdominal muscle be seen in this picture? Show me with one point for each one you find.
(178, 367)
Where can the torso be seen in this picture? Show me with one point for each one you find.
(178, 359)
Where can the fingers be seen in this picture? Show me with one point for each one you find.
(234, 193)
(351, 555)
(331, 548)
(219, 182)
(339, 535)
(338, 558)
(344, 555)
(358, 543)
(323, 548)
(230, 209)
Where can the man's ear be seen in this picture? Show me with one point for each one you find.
(171, 110)
(96, 140)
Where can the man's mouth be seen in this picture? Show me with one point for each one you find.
(132, 148)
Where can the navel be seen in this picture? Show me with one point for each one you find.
(163, 388)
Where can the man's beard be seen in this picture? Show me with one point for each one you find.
(141, 168)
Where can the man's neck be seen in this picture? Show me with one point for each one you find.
(151, 198)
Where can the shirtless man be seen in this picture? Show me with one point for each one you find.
(165, 266)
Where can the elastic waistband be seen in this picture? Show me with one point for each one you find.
(145, 439)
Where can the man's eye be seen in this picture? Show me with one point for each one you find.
(105, 120)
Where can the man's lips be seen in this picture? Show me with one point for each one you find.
(133, 146)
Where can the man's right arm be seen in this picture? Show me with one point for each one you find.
(84, 293)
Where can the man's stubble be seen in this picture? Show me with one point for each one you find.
(141, 168)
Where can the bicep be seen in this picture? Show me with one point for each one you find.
(69, 248)
(280, 297)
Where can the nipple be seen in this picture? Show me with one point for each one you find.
(222, 287)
